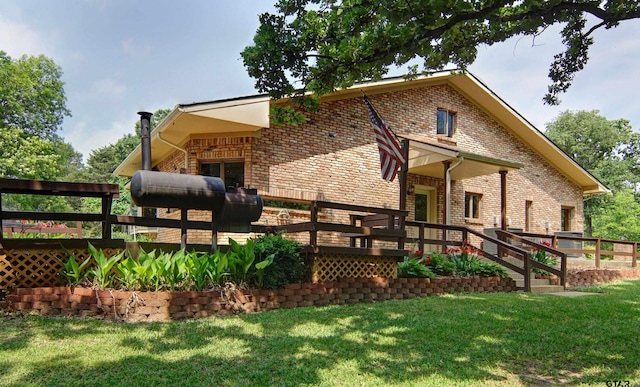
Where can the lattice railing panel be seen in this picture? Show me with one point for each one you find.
(328, 268)
(32, 268)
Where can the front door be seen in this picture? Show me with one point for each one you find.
(426, 211)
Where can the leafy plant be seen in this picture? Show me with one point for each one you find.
(543, 257)
(218, 267)
(172, 268)
(126, 274)
(197, 265)
(73, 272)
(287, 266)
(103, 275)
(260, 266)
(439, 264)
(414, 268)
(240, 260)
(146, 269)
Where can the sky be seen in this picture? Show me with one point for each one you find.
(120, 57)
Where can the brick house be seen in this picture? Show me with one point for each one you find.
(470, 154)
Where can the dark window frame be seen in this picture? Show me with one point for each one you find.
(472, 205)
(222, 163)
(446, 122)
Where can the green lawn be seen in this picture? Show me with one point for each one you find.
(477, 339)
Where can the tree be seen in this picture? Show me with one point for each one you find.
(323, 45)
(608, 149)
(32, 95)
(104, 160)
(618, 218)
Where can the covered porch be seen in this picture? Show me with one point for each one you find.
(448, 164)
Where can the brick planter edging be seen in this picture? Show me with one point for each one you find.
(166, 306)
(582, 277)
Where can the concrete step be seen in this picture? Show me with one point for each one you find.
(547, 289)
(534, 281)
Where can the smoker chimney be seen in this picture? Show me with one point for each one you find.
(145, 134)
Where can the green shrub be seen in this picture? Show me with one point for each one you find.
(440, 265)
(414, 268)
(287, 267)
(543, 257)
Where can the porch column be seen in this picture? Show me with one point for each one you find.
(445, 191)
(503, 200)
(445, 209)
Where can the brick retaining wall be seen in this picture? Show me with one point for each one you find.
(579, 277)
(165, 306)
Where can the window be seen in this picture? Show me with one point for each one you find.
(565, 218)
(472, 205)
(446, 122)
(528, 216)
(231, 172)
(421, 207)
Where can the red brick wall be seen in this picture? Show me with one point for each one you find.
(164, 306)
(306, 162)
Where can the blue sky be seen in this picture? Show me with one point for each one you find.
(122, 56)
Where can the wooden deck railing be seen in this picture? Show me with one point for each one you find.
(599, 244)
(107, 192)
(445, 239)
(562, 272)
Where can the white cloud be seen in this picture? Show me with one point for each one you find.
(108, 87)
(133, 49)
(18, 39)
(99, 137)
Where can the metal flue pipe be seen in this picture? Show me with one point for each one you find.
(145, 134)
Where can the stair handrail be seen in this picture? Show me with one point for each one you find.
(465, 232)
(598, 252)
(562, 273)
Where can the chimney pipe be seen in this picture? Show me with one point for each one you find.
(145, 134)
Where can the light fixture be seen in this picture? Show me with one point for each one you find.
(411, 189)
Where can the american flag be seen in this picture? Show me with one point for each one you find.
(391, 155)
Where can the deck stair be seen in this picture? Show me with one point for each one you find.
(538, 285)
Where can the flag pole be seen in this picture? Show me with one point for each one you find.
(404, 167)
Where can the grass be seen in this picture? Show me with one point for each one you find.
(464, 340)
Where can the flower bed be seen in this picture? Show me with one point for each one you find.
(165, 306)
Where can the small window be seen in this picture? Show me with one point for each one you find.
(446, 123)
(231, 172)
(421, 207)
(472, 205)
(565, 218)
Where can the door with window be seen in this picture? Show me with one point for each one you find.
(425, 202)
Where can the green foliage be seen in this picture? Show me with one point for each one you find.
(287, 267)
(324, 45)
(610, 150)
(260, 266)
(545, 258)
(414, 268)
(74, 273)
(440, 265)
(32, 93)
(181, 270)
(197, 266)
(466, 260)
(172, 268)
(618, 218)
(102, 274)
(240, 260)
